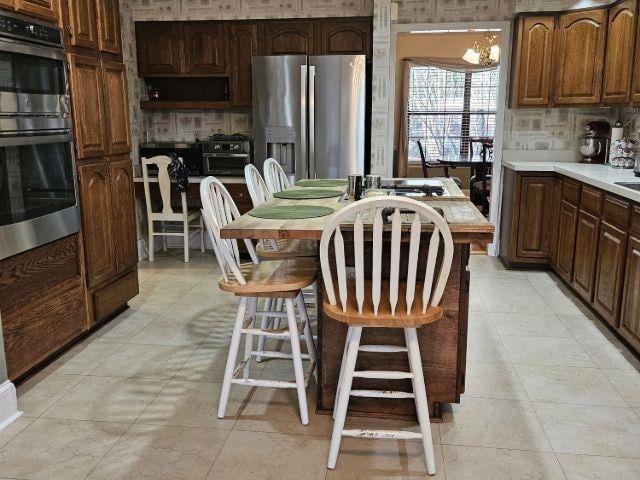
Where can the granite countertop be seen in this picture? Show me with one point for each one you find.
(600, 176)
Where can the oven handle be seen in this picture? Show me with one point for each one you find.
(34, 140)
(29, 49)
(226, 155)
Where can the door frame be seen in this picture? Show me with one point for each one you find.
(504, 68)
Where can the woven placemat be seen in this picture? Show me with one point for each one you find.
(307, 193)
(323, 183)
(284, 212)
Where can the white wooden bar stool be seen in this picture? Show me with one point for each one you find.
(274, 176)
(390, 303)
(185, 216)
(274, 279)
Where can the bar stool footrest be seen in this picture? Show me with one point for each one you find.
(383, 374)
(382, 434)
(381, 394)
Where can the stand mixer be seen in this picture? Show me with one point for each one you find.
(594, 144)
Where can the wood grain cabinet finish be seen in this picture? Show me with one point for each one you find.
(630, 316)
(567, 223)
(204, 47)
(159, 48)
(82, 27)
(244, 44)
(117, 107)
(123, 219)
(346, 37)
(109, 39)
(88, 106)
(10, 4)
(585, 254)
(97, 224)
(534, 61)
(612, 248)
(618, 66)
(45, 9)
(534, 225)
(635, 85)
(286, 38)
(580, 47)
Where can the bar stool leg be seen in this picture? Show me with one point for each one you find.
(248, 340)
(231, 358)
(343, 400)
(276, 320)
(263, 325)
(420, 392)
(344, 361)
(297, 360)
(308, 336)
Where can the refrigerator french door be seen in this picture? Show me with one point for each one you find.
(309, 114)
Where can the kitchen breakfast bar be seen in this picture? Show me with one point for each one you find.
(443, 344)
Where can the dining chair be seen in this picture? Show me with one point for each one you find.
(274, 279)
(167, 214)
(481, 181)
(274, 176)
(426, 165)
(391, 299)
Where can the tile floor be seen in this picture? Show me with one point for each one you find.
(550, 395)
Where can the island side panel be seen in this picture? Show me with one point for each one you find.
(442, 344)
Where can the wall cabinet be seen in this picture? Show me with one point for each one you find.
(534, 61)
(585, 254)
(341, 37)
(82, 29)
(159, 48)
(630, 321)
(286, 38)
(244, 44)
(109, 38)
(45, 9)
(618, 67)
(8, 4)
(204, 47)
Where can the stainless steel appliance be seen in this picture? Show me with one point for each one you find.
(38, 200)
(309, 114)
(190, 152)
(594, 144)
(226, 155)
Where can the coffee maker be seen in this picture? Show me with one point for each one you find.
(594, 144)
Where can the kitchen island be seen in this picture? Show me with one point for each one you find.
(443, 344)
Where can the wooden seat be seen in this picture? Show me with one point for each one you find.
(384, 318)
(286, 249)
(274, 276)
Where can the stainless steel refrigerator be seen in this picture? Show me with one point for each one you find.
(309, 114)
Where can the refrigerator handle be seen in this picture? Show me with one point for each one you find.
(312, 121)
(303, 123)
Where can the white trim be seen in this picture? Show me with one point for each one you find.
(505, 64)
(8, 404)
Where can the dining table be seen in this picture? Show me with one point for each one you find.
(443, 344)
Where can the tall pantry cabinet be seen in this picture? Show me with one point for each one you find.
(103, 143)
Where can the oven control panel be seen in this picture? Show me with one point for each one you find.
(30, 31)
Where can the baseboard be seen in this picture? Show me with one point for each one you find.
(8, 404)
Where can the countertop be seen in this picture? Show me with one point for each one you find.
(600, 176)
(198, 179)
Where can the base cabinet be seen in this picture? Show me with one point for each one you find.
(584, 267)
(612, 247)
(567, 223)
(630, 318)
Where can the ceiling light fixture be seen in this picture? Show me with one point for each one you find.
(484, 52)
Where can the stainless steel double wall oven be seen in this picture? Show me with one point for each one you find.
(38, 188)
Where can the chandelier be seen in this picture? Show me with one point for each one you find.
(484, 52)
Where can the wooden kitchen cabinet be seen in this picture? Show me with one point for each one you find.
(567, 223)
(123, 218)
(82, 28)
(244, 45)
(612, 248)
(635, 84)
(97, 224)
(630, 315)
(534, 59)
(343, 37)
(586, 247)
(618, 67)
(580, 47)
(10, 4)
(286, 38)
(534, 226)
(109, 38)
(159, 47)
(88, 106)
(44, 9)
(117, 107)
(205, 47)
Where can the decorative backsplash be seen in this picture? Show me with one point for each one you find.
(188, 125)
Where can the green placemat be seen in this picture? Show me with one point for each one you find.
(307, 193)
(283, 212)
(323, 183)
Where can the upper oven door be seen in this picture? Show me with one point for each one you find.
(33, 79)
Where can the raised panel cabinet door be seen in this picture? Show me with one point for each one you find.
(88, 106)
(159, 48)
(535, 217)
(585, 254)
(205, 49)
(612, 250)
(580, 47)
(630, 316)
(117, 107)
(244, 44)
(45, 9)
(97, 228)
(567, 222)
(618, 64)
(123, 218)
(109, 39)
(343, 37)
(534, 61)
(82, 30)
(635, 84)
(287, 38)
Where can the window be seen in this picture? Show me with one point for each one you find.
(448, 108)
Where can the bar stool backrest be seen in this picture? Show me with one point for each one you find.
(164, 185)
(218, 210)
(371, 211)
(258, 190)
(274, 176)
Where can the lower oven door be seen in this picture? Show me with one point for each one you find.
(38, 191)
